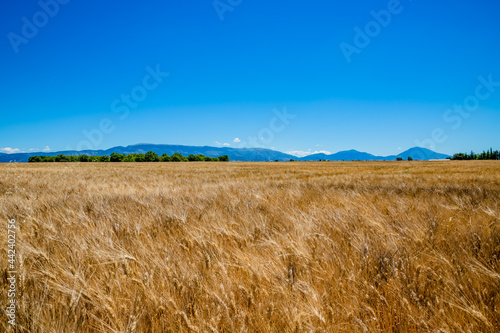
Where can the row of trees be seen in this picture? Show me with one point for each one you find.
(485, 155)
(150, 156)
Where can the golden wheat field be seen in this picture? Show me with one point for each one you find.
(254, 247)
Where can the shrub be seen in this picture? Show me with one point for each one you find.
(151, 156)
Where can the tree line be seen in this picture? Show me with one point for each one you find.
(485, 155)
(150, 156)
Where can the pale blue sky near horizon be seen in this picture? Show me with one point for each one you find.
(408, 80)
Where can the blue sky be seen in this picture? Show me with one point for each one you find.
(420, 73)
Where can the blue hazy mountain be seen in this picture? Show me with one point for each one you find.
(417, 153)
(347, 155)
(235, 154)
(422, 154)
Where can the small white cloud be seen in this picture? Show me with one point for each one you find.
(47, 148)
(9, 150)
(226, 144)
(218, 143)
(236, 140)
(301, 153)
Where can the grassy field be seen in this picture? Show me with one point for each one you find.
(254, 247)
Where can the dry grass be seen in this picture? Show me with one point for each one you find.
(255, 247)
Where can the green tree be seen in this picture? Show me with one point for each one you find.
(151, 156)
(128, 158)
(35, 159)
(62, 158)
(165, 158)
(399, 158)
(84, 158)
(115, 157)
(104, 158)
(176, 157)
(410, 158)
(139, 158)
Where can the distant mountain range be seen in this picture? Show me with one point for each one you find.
(235, 154)
(417, 153)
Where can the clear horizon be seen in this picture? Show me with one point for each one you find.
(294, 153)
(378, 77)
